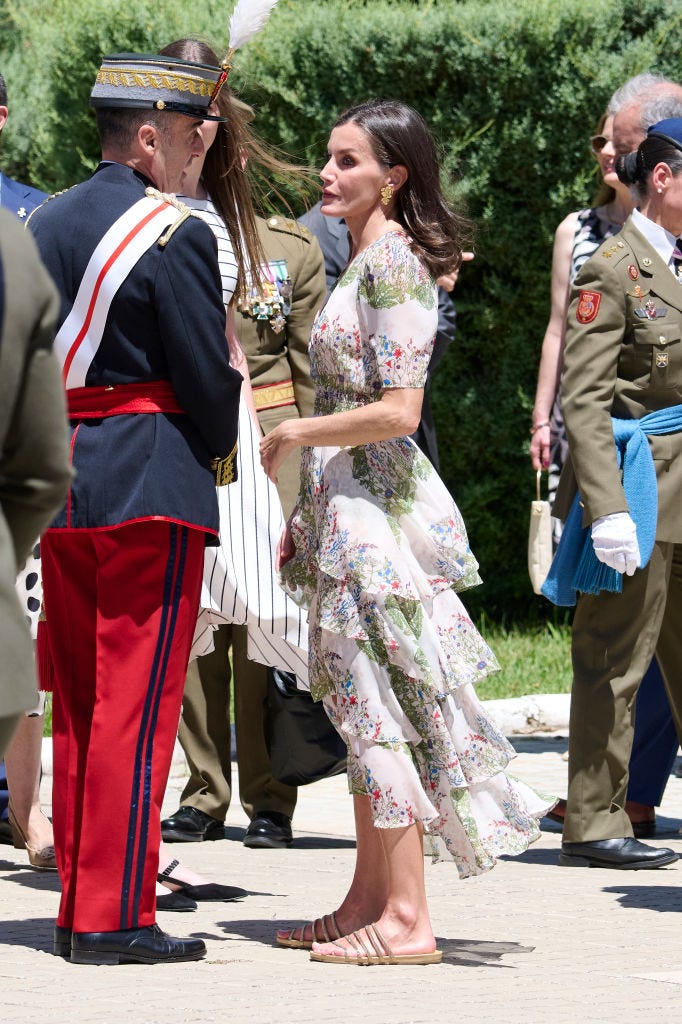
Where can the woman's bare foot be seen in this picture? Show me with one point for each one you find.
(350, 916)
(389, 935)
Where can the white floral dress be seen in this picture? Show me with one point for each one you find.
(381, 550)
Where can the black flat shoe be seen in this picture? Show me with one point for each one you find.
(190, 825)
(6, 836)
(62, 941)
(136, 945)
(207, 892)
(269, 830)
(174, 901)
(624, 854)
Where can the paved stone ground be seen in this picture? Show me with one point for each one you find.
(527, 943)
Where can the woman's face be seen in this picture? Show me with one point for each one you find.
(352, 177)
(606, 157)
(670, 203)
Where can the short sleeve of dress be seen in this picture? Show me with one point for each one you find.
(398, 312)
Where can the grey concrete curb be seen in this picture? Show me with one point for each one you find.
(519, 716)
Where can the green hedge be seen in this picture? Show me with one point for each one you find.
(512, 91)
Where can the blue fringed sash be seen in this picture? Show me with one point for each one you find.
(575, 567)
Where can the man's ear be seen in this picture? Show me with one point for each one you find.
(148, 138)
(4, 113)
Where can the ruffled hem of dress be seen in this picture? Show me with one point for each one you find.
(479, 821)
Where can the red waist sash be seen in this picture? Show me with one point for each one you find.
(123, 399)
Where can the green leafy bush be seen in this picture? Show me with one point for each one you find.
(512, 91)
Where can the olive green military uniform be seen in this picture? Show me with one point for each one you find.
(274, 329)
(623, 358)
(34, 453)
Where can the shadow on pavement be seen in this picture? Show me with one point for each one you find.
(21, 874)
(317, 842)
(534, 856)
(33, 933)
(666, 899)
(477, 953)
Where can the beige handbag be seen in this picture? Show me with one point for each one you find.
(539, 539)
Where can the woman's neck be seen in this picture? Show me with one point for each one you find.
(367, 229)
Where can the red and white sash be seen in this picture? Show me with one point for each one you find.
(124, 244)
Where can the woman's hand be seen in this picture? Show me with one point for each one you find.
(540, 446)
(276, 446)
(286, 549)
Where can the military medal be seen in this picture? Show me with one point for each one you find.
(633, 272)
(661, 360)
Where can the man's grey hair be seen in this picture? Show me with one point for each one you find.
(657, 98)
(634, 89)
(660, 107)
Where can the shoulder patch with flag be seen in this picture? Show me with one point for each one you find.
(588, 307)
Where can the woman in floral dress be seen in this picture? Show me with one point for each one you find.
(378, 551)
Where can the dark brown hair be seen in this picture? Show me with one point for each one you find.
(399, 135)
(635, 168)
(229, 185)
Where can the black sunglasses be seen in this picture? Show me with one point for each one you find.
(597, 143)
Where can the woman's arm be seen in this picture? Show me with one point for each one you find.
(549, 373)
(395, 414)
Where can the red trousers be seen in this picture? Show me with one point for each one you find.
(121, 607)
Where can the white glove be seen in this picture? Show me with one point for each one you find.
(614, 539)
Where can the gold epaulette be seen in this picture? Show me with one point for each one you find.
(185, 211)
(225, 469)
(289, 227)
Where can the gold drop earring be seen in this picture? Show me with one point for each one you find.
(386, 194)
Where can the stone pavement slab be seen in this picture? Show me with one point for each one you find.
(527, 943)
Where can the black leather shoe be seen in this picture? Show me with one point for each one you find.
(189, 825)
(6, 836)
(269, 830)
(625, 854)
(174, 901)
(62, 941)
(135, 945)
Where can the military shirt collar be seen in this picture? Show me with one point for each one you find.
(656, 235)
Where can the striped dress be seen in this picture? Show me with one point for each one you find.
(240, 583)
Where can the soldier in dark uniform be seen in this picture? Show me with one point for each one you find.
(623, 379)
(153, 405)
(273, 323)
(16, 197)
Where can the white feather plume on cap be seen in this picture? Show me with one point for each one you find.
(248, 17)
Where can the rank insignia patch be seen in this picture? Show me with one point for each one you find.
(588, 307)
(633, 272)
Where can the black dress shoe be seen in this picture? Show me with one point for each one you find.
(269, 830)
(190, 825)
(625, 854)
(206, 891)
(62, 941)
(135, 945)
(174, 901)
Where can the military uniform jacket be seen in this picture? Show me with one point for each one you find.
(274, 356)
(166, 323)
(18, 198)
(623, 358)
(34, 456)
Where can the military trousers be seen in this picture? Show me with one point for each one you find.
(204, 732)
(614, 638)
